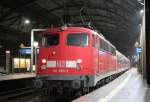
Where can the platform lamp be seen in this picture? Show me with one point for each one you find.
(32, 46)
(138, 51)
(7, 61)
(143, 40)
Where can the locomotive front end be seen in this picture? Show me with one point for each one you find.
(64, 59)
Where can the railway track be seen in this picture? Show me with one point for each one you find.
(11, 94)
(65, 97)
(29, 94)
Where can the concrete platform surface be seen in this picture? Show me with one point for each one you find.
(14, 76)
(129, 87)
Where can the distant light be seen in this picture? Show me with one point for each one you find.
(35, 44)
(7, 51)
(27, 21)
(16, 60)
(1, 46)
(136, 44)
(141, 11)
(139, 0)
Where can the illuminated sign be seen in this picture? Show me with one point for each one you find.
(138, 50)
(21, 63)
(26, 51)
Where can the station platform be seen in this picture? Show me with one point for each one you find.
(14, 76)
(129, 87)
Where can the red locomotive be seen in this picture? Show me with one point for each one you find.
(76, 57)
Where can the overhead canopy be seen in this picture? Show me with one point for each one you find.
(118, 20)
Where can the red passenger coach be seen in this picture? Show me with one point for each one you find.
(75, 57)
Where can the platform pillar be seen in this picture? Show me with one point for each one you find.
(8, 67)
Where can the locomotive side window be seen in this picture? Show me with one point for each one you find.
(50, 40)
(104, 46)
(77, 39)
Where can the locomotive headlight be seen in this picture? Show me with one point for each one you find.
(79, 60)
(43, 61)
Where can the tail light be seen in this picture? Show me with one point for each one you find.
(79, 66)
(43, 66)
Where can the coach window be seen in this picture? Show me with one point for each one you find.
(108, 47)
(77, 39)
(113, 51)
(50, 40)
(105, 46)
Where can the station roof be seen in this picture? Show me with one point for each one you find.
(118, 20)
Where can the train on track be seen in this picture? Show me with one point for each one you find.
(76, 58)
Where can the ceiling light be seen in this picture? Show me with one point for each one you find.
(27, 21)
(7, 51)
(139, 0)
(141, 11)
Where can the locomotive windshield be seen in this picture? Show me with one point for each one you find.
(77, 39)
(50, 40)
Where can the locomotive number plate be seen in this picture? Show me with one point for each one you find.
(60, 70)
(61, 64)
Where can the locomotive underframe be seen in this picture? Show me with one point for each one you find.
(73, 81)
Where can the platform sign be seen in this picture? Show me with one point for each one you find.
(138, 50)
(27, 51)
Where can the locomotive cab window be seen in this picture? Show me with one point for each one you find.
(50, 40)
(77, 39)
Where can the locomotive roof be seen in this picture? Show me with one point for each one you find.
(60, 29)
(78, 29)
